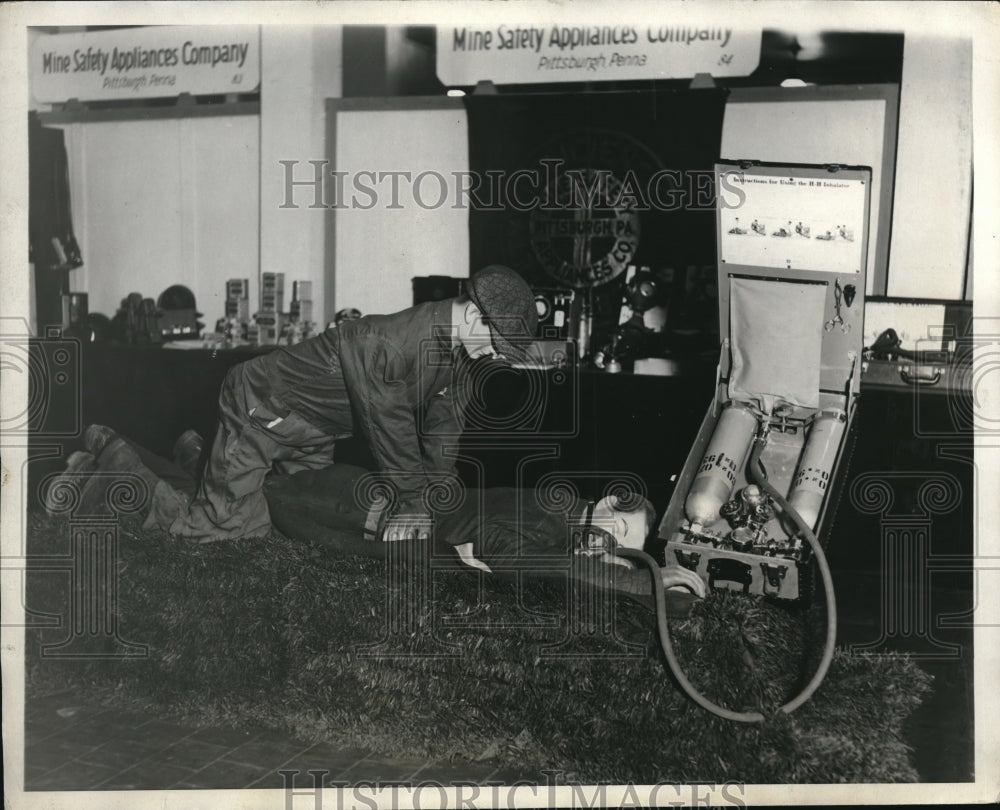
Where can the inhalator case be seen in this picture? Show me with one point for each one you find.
(792, 258)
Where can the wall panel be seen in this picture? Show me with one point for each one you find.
(164, 202)
(380, 241)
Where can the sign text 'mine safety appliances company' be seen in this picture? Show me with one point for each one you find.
(145, 62)
(523, 54)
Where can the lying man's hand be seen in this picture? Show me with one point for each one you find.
(674, 576)
(407, 525)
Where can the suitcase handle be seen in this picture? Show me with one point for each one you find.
(723, 569)
(933, 376)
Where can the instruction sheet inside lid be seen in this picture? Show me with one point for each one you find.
(805, 230)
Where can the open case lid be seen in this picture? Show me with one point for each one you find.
(792, 254)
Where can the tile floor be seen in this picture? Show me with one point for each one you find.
(69, 746)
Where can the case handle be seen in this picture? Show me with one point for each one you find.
(931, 377)
(724, 569)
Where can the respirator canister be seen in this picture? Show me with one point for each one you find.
(815, 470)
(724, 458)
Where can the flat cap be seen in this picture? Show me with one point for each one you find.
(508, 307)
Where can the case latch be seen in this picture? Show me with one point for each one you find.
(773, 576)
(688, 559)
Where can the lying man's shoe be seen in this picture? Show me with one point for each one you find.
(117, 466)
(96, 438)
(187, 452)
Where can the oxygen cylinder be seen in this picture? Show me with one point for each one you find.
(726, 453)
(816, 466)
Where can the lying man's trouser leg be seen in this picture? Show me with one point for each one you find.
(253, 434)
(335, 507)
(171, 487)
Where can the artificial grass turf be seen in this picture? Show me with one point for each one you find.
(295, 637)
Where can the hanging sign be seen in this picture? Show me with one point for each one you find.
(145, 62)
(524, 54)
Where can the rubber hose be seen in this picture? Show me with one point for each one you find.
(830, 643)
(668, 647)
(831, 609)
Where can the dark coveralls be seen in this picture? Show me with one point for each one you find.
(512, 530)
(287, 408)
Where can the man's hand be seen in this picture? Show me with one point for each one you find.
(674, 576)
(407, 525)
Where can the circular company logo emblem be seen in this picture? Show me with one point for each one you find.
(588, 228)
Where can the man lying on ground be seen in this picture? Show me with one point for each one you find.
(499, 529)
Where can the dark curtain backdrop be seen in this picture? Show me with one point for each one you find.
(52, 244)
(49, 214)
(642, 131)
